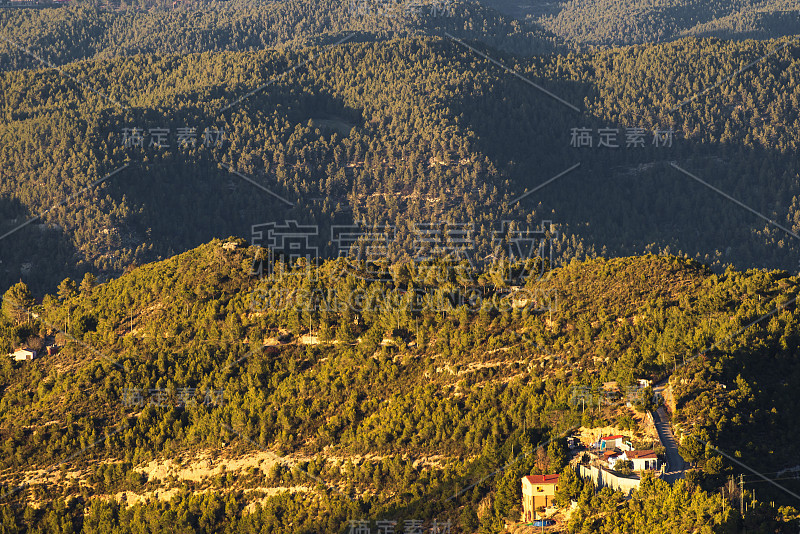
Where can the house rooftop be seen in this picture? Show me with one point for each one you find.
(541, 479)
(643, 455)
(609, 438)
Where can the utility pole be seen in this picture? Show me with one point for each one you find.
(741, 494)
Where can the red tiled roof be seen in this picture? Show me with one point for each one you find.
(609, 438)
(542, 479)
(642, 455)
(609, 454)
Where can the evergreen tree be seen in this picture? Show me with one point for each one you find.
(17, 303)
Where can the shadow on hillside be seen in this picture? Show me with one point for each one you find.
(630, 200)
(750, 390)
(41, 254)
(181, 199)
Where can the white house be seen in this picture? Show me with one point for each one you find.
(23, 354)
(611, 442)
(641, 460)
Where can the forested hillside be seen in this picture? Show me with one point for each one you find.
(401, 134)
(111, 28)
(461, 232)
(30, 36)
(621, 22)
(383, 394)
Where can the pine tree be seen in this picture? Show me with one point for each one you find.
(87, 284)
(17, 303)
(67, 289)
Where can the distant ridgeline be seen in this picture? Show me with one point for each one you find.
(610, 22)
(124, 27)
(136, 158)
(191, 26)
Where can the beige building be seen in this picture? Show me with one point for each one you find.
(537, 491)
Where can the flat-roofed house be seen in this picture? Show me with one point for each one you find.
(611, 442)
(537, 491)
(642, 460)
(22, 355)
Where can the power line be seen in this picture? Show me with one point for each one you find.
(769, 473)
(782, 478)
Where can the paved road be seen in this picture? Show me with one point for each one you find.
(675, 463)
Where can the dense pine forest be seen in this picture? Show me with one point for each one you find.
(611, 22)
(401, 133)
(115, 27)
(355, 267)
(108, 31)
(389, 408)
